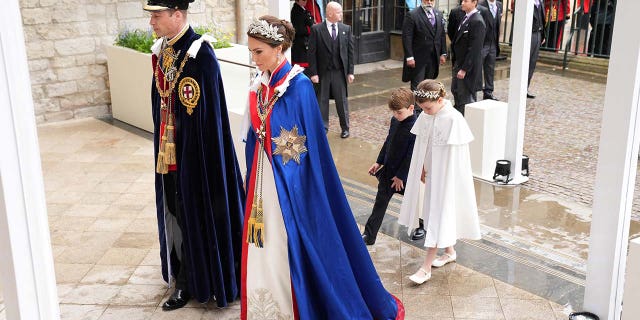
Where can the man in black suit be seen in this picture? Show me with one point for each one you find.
(423, 40)
(538, 31)
(455, 17)
(491, 11)
(331, 64)
(467, 56)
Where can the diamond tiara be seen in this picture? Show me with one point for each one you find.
(267, 30)
(432, 95)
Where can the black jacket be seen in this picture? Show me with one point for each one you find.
(492, 36)
(302, 22)
(395, 154)
(320, 48)
(467, 48)
(422, 41)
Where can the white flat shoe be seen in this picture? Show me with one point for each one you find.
(443, 259)
(420, 276)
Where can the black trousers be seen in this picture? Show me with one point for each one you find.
(489, 53)
(426, 71)
(333, 84)
(462, 95)
(535, 51)
(384, 195)
(174, 205)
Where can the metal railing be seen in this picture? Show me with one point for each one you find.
(588, 34)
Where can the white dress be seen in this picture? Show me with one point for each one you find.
(446, 201)
(268, 282)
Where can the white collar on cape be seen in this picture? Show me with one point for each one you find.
(264, 78)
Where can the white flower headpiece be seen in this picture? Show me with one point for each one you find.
(264, 28)
(432, 95)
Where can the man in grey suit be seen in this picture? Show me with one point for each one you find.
(538, 31)
(423, 40)
(331, 64)
(491, 11)
(467, 56)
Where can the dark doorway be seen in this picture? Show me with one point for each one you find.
(366, 18)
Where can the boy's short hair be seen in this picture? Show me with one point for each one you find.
(400, 98)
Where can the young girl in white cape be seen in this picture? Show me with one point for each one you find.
(446, 202)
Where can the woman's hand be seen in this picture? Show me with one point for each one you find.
(423, 176)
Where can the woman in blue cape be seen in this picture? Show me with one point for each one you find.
(303, 256)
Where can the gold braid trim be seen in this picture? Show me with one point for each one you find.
(167, 149)
(256, 228)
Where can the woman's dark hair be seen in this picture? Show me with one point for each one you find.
(285, 28)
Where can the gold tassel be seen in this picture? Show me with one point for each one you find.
(170, 153)
(255, 231)
(258, 227)
(161, 166)
(170, 149)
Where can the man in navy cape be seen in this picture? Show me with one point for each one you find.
(199, 193)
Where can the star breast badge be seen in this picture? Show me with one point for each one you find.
(290, 145)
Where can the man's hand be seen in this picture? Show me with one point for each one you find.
(397, 184)
(461, 73)
(443, 59)
(411, 63)
(315, 79)
(374, 168)
(351, 78)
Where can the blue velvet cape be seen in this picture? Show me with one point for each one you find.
(332, 274)
(209, 182)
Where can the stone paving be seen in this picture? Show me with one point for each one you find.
(562, 125)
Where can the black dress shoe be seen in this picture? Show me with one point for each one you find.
(368, 240)
(501, 57)
(418, 234)
(489, 96)
(344, 134)
(178, 299)
(531, 96)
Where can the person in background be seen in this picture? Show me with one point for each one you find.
(557, 13)
(467, 56)
(491, 47)
(331, 64)
(601, 21)
(538, 33)
(302, 21)
(392, 165)
(423, 41)
(303, 255)
(441, 161)
(199, 201)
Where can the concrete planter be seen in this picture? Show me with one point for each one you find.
(131, 73)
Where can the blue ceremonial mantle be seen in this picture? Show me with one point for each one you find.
(208, 181)
(332, 273)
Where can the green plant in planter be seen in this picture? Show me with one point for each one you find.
(142, 41)
(136, 39)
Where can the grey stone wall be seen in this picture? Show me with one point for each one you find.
(65, 42)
